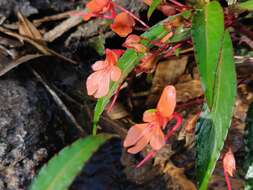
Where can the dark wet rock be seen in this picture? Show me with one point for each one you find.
(9, 7)
(24, 121)
(56, 5)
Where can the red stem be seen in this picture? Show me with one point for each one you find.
(132, 15)
(150, 155)
(227, 179)
(114, 99)
(169, 53)
(177, 3)
(179, 119)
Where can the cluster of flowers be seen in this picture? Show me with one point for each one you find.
(152, 131)
(123, 22)
(106, 70)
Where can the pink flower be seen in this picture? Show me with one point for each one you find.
(229, 162)
(98, 82)
(229, 167)
(151, 132)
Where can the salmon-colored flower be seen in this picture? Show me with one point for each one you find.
(151, 132)
(123, 24)
(229, 167)
(229, 162)
(98, 82)
(97, 8)
(133, 41)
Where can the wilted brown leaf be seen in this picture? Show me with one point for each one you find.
(26, 28)
(13, 64)
(41, 47)
(178, 177)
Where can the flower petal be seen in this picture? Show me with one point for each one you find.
(149, 115)
(139, 145)
(135, 133)
(157, 140)
(103, 84)
(229, 164)
(115, 73)
(167, 102)
(123, 24)
(98, 65)
(97, 5)
(118, 52)
(111, 57)
(92, 83)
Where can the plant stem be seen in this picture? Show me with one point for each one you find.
(227, 179)
(179, 119)
(177, 3)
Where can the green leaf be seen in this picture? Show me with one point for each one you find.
(62, 168)
(247, 5)
(214, 55)
(130, 59)
(207, 34)
(248, 139)
(154, 4)
(213, 128)
(249, 178)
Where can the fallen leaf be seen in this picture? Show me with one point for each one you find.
(178, 177)
(26, 28)
(13, 64)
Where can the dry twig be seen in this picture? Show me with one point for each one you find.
(59, 102)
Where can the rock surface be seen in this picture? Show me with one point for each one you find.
(30, 7)
(23, 125)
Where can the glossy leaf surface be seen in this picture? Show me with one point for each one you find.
(214, 55)
(207, 34)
